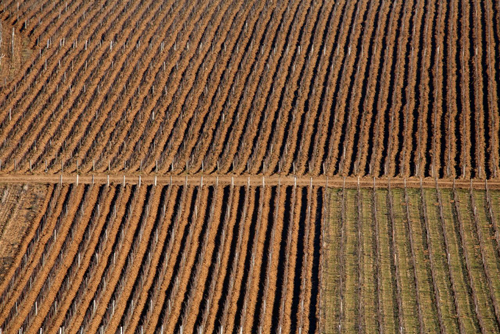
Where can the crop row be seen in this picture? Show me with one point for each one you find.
(300, 87)
(168, 258)
(412, 259)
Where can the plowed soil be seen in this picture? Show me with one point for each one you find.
(363, 88)
(167, 166)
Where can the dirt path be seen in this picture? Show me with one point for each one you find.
(239, 180)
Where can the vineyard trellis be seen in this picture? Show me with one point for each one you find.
(250, 166)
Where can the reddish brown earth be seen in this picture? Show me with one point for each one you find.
(345, 89)
(165, 164)
(98, 269)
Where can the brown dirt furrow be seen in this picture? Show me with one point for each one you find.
(26, 10)
(173, 248)
(26, 245)
(54, 22)
(46, 299)
(210, 72)
(33, 263)
(348, 46)
(241, 251)
(408, 144)
(34, 66)
(153, 269)
(276, 41)
(369, 101)
(253, 284)
(32, 10)
(90, 284)
(287, 294)
(129, 97)
(88, 250)
(49, 75)
(114, 275)
(183, 261)
(96, 75)
(336, 59)
(467, 161)
(50, 26)
(21, 204)
(37, 11)
(327, 210)
(187, 91)
(163, 79)
(382, 102)
(210, 281)
(114, 109)
(477, 77)
(452, 101)
(235, 85)
(188, 262)
(396, 107)
(238, 128)
(250, 84)
(277, 89)
(104, 104)
(22, 10)
(320, 86)
(178, 59)
(208, 246)
(139, 249)
(54, 118)
(14, 318)
(438, 88)
(216, 298)
(492, 55)
(292, 141)
(424, 92)
(303, 203)
(194, 89)
(239, 89)
(168, 74)
(230, 277)
(357, 91)
(306, 283)
(287, 106)
(270, 284)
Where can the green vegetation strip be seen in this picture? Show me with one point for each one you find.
(412, 260)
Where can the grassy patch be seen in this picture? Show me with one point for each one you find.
(430, 263)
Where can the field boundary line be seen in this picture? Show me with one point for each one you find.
(242, 180)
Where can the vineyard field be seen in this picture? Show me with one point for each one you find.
(419, 260)
(232, 166)
(349, 88)
(169, 259)
(18, 206)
